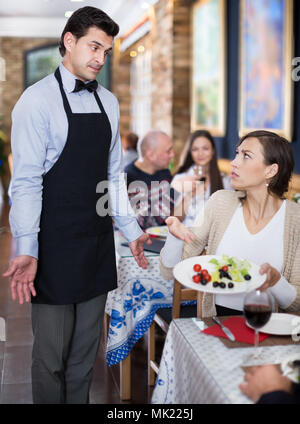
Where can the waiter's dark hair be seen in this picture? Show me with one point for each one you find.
(83, 19)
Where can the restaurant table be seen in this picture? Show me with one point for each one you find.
(198, 368)
(132, 307)
(133, 304)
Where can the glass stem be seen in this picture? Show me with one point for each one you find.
(256, 343)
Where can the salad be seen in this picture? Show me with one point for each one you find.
(227, 271)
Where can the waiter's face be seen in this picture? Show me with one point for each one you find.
(85, 56)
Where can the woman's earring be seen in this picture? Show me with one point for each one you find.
(267, 184)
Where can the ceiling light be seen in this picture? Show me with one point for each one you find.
(133, 53)
(69, 13)
(141, 49)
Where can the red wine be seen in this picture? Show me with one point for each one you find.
(257, 315)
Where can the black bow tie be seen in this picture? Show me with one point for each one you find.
(90, 86)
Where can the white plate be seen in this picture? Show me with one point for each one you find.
(289, 370)
(183, 272)
(158, 231)
(281, 325)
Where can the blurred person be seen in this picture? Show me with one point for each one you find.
(267, 385)
(129, 144)
(199, 164)
(65, 140)
(254, 222)
(148, 180)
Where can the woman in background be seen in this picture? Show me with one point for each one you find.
(129, 143)
(200, 169)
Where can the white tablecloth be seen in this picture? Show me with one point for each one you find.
(197, 368)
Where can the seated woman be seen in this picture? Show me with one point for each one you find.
(255, 222)
(199, 164)
(129, 143)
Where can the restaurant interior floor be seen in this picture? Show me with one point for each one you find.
(15, 352)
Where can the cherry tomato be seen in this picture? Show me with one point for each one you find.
(225, 268)
(197, 268)
(196, 278)
(204, 272)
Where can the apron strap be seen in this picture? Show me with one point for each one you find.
(65, 100)
(99, 102)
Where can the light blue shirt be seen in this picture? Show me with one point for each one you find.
(39, 133)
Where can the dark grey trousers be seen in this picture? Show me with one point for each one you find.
(65, 346)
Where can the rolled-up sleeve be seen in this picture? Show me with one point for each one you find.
(29, 141)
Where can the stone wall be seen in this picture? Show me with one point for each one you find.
(169, 41)
(162, 72)
(12, 50)
(181, 75)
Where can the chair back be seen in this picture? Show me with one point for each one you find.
(181, 293)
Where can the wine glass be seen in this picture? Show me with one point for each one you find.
(199, 171)
(257, 311)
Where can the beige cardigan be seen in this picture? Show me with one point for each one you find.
(217, 215)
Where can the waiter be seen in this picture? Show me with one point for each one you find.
(65, 141)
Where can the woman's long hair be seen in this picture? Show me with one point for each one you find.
(216, 182)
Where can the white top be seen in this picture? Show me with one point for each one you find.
(257, 248)
(197, 202)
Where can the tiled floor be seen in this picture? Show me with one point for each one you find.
(15, 353)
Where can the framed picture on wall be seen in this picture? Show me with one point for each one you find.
(43, 60)
(266, 49)
(208, 92)
(40, 62)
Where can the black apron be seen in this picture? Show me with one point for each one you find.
(76, 246)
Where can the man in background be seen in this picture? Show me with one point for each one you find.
(148, 180)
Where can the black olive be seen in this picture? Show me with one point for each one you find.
(230, 285)
(215, 284)
(204, 281)
(222, 285)
(247, 277)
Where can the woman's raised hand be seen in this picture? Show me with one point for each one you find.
(179, 230)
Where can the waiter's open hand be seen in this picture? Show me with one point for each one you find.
(22, 271)
(137, 249)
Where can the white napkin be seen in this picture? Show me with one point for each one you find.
(199, 323)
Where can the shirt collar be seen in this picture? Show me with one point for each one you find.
(68, 79)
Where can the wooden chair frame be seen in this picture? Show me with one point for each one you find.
(179, 294)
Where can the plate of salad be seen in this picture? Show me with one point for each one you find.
(158, 231)
(219, 274)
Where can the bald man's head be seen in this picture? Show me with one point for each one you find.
(157, 148)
